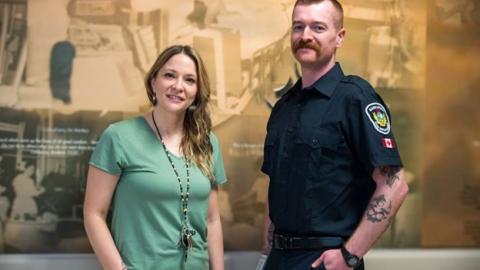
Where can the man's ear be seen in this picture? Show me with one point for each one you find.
(340, 37)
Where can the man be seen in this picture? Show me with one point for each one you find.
(336, 178)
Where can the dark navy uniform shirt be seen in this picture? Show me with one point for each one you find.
(322, 145)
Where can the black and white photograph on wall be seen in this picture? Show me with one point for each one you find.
(43, 163)
(81, 67)
(457, 13)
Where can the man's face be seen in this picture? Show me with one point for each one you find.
(314, 36)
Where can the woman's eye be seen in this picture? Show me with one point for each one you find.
(190, 81)
(169, 75)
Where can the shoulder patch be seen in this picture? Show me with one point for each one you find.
(379, 117)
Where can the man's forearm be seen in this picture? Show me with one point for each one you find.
(267, 232)
(390, 193)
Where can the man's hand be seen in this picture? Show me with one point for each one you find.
(332, 259)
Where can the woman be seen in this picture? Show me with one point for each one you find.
(161, 172)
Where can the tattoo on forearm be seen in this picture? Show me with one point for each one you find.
(378, 210)
(389, 221)
(390, 172)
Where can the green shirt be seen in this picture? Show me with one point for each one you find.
(146, 216)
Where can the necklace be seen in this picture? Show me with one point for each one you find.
(186, 233)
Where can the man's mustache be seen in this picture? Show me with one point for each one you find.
(305, 45)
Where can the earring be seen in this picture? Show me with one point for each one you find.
(154, 100)
(192, 108)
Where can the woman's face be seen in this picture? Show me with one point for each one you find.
(175, 85)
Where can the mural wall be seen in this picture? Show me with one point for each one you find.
(451, 184)
(68, 68)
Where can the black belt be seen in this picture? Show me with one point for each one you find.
(285, 242)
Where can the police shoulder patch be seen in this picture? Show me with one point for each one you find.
(379, 117)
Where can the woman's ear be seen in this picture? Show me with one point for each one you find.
(152, 83)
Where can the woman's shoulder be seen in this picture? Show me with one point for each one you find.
(128, 128)
(127, 125)
(213, 139)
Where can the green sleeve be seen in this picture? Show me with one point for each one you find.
(218, 168)
(107, 155)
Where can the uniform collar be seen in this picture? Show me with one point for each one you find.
(327, 83)
(295, 90)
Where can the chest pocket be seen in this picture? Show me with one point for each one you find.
(328, 159)
(277, 190)
(269, 151)
(317, 151)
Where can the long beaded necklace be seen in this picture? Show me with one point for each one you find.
(186, 233)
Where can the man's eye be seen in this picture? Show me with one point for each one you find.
(318, 28)
(297, 28)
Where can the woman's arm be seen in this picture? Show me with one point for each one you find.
(215, 235)
(98, 195)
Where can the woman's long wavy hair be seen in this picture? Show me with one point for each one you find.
(196, 145)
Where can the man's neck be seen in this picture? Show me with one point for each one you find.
(310, 74)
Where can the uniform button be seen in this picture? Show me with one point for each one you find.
(315, 141)
(290, 129)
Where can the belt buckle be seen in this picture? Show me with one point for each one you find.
(289, 242)
(284, 242)
(280, 242)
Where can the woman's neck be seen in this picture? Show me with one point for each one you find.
(169, 125)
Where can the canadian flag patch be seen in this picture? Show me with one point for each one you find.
(388, 143)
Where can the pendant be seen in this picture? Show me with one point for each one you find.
(186, 239)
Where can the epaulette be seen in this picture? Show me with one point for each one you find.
(358, 81)
(365, 87)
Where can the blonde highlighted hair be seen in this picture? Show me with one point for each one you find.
(196, 145)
